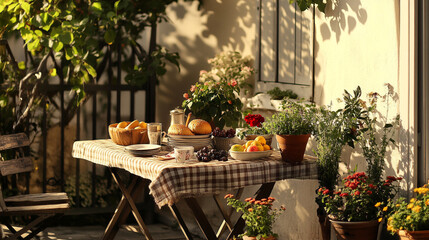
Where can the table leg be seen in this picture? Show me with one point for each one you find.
(263, 192)
(226, 213)
(201, 219)
(130, 201)
(123, 210)
(175, 211)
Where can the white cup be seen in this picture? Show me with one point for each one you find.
(183, 153)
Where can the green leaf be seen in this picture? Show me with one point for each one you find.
(66, 37)
(57, 46)
(38, 33)
(96, 8)
(69, 53)
(21, 65)
(53, 72)
(90, 70)
(33, 45)
(25, 6)
(110, 36)
(116, 5)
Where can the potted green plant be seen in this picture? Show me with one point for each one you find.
(215, 98)
(292, 126)
(354, 208)
(410, 219)
(259, 216)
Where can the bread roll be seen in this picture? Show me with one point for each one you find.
(199, 126)
(179, 129)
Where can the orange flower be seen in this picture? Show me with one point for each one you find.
(250, 209)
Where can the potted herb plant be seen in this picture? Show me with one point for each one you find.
(354, 208)
(215, 98)
(410, 219)
(259, 216)
(293, 126)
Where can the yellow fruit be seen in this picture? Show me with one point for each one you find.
(237, 148)
(133, 124)
(248, 143)
(143, 125)
(253, 148)
(261, 140)
(257, 144)
(122, 124)
(267, 147)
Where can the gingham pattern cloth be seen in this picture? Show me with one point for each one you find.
(171, 181)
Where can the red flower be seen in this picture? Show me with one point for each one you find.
(353, 185)
(399, 178)
(186, 95)
(357, 193)
(391, 178)
(229, 101)
(320, 190)
(254, 120)
(229, 196)
(233, 82)
(344, 194)
(369, 192)
(272, 199)
(326, 191)
(192, 88)
(248, 199)
(371, 186)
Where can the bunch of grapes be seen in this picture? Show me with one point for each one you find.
(206, 155)
(222, 133)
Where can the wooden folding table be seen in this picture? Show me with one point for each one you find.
(170, 182)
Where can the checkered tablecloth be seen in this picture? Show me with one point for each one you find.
(171, 181)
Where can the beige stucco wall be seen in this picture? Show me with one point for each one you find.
(357, 43)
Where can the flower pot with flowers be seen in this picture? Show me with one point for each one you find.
(354, 208)
(410, 219)
(293, 126)
(258, 215)
(215, 98)
(255, 129)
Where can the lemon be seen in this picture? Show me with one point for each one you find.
(261, 140)
(237, 148)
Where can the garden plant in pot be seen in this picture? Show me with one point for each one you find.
(354, 208)
(259, 216)
(255, 129)
(410, 219)
(332, 131)
(293, 126)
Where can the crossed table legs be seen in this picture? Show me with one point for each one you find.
(135, 188)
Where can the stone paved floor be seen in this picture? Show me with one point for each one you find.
(158, 231)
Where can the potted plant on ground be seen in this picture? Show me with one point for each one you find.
(410, 219)
(332, 131)
(215, 98)
(293, 126)
(259, 216)
(354, 208)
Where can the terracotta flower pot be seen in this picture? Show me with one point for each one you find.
(356, 230)
(254, 238)
(325, 224)
(413, 235)
(292, 147)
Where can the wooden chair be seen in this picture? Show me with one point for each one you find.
(46, 207)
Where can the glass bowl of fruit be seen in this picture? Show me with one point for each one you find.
(251, 150)
(223, 139)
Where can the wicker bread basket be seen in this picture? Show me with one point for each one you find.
(127, 137)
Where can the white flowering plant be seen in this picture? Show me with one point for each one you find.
(215, 97)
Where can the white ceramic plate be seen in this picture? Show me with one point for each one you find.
(246, 156)
(142, 147)
(189, 136)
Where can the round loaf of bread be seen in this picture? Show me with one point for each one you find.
(199, 126)
(179, 129)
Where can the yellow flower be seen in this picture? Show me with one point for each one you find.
(408, 217)
(377, 204)
(427, 202)
(385, 208)
(412, 200)
(409, 206)
(380, 219)
(416, 209)
(398, 205)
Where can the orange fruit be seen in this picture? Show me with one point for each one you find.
(248, 143)
(267, 147)
(261, 140)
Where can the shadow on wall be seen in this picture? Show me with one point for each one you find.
(198, 35)
(336, 11)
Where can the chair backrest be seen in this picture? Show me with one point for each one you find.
(21, 164)
(18, 165)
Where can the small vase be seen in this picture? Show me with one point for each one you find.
(356, 230)
(268, 138)
(292, 147)
(413, 235)
(254, 238)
